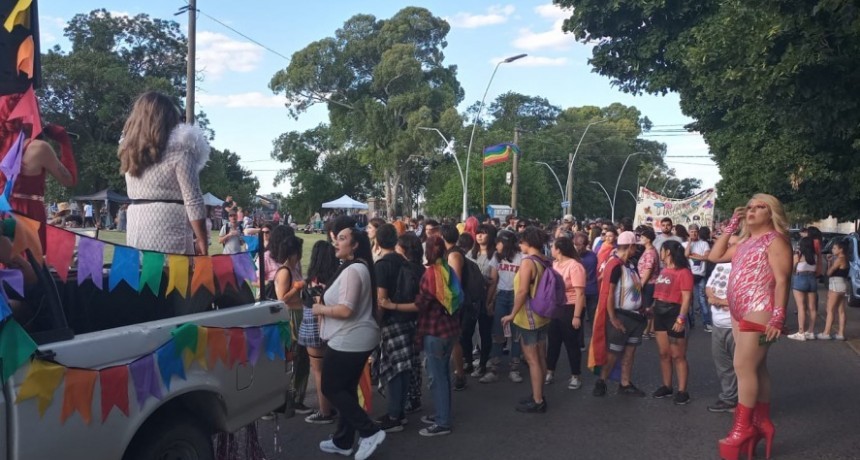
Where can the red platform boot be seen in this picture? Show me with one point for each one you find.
(764, 427)
(741, 437)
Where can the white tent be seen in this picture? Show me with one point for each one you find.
(344, 202)
(212, 200)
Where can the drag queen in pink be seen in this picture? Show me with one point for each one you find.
(757, 294)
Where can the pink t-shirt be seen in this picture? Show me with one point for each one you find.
(648, 261)
(573, 274)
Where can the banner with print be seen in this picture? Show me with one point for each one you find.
(697, 209)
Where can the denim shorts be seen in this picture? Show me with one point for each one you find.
(530, 336)
(804, 282)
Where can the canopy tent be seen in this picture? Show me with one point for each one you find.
(344, 202)
(106, 194)
(212, 200)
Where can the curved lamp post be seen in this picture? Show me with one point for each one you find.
(569, 185)
(611, 204)
(615, 192)
(556, 181)
(449, 148)
(631, 195)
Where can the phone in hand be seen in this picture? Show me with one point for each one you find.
(762, 340)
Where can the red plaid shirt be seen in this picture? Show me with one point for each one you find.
(433, 319)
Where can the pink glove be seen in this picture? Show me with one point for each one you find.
(733, 224)
(777, 320)
(67, 156)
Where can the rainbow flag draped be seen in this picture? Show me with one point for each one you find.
(448, 289)
(499, 153)
(365, 390)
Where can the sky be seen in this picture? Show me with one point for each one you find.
(247, 117)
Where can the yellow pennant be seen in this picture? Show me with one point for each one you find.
(42, 380)
(200, 353)
(20, 15)
(177, 277)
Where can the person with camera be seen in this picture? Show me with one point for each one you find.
(231, 235)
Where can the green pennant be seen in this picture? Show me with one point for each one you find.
(150, 273)
(185, 338)
(16, 346)
(286, 337)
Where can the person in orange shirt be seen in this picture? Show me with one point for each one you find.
(610, 234)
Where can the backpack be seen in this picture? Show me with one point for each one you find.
(548, 297)
(474, 287)
(408, 283)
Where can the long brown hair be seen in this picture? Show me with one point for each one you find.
(146, 132)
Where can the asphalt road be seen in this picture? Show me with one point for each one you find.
(816, 409)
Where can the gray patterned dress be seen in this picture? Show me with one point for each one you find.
(165, 227)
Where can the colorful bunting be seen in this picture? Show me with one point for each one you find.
(286, 336)
(222, 267)
(238, 349)
(27, 110)
(252, 244)
(26, 54)
(42, 380)
(244, 268)
(254, 339)
(274, 344)
(10, 166)
(185, 337)
(177, 278)
(78, 396)
(16, 346)
(145, 380)
(27, 236)
(19, 15)
(5, 308)
(61, 248)
(217, 347)
(202, 275)
(169, 363)
(114, 387)
(91, 261)
(200, 353)
(13, 278)
(125, 267)
(150, 274)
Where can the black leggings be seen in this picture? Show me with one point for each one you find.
(341, 372)
(485, 330)
(561, 331)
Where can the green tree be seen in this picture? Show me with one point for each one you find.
(771, 85)
(223, 175)
(379, 79)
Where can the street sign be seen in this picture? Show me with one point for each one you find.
(565, 204)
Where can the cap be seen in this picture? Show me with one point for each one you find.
(568, 218)
(626, 238)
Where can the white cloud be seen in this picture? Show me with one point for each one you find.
(534, 61)
(495, 14)
(553, 38)
(50, 29)
(218, 53)
(242, 100)
(120, 14)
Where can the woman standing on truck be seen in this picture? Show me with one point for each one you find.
(347, 314)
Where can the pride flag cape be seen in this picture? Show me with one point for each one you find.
(447, 287)
(499, 153)
(597, 352)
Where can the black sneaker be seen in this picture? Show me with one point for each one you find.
(599, 388)
(662, 392)
(412, 406)
(302, 409)
(459, 383)
(531, 407)
(434, 430)
(389, 425)
(317, 418)
(681, 398)
(722, 406)
(630, 390)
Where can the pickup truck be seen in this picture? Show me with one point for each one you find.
(81, 326)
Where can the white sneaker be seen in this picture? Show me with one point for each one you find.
(823, 336)
(550, 378)
(799, 336)
(328, 447)
(368, 445)
(574, 383)
(838, 337)
(489, 377)
(515, 376)
(809, 336)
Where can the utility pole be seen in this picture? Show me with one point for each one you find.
(515, 175)
(192, 58)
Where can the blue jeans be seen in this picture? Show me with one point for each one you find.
(438, 353)
(504, 307)
(700, 299)
(398, 388)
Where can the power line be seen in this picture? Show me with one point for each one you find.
(241, 34)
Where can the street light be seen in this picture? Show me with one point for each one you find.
(449, 147)
(569, 185)
(617, 181)
(475, 125)
(556, 180)
(651, 175)
(677, 189)
(631, 195)
(611, 204)
(663, 190)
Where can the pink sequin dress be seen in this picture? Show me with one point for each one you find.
(751, 281)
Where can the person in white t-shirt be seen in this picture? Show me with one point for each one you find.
(722, 341)
(697, 253)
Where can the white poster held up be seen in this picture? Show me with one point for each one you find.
(697, 209)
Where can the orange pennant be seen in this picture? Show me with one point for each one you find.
(202, 276)
(217, 339)
(78, 396)
(27, 110)
(27, 236)
(61, 248)
(25, 56)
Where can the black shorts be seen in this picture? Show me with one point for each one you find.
(664, 323)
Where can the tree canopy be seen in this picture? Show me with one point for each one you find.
(771, 85)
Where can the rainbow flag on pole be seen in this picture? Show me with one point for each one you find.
(499, 153)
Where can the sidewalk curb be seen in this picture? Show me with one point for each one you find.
(855, 345)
